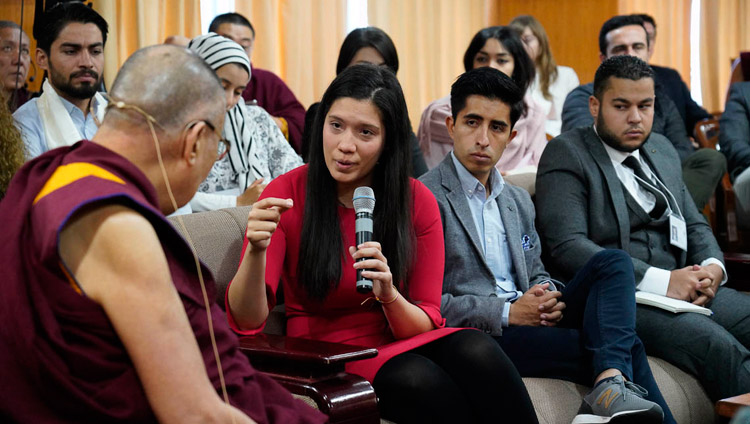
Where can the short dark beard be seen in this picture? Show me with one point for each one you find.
(64, 85)
(610, 139)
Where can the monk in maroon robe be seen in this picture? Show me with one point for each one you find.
(103, 317)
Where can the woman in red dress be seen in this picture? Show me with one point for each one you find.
(301, 233)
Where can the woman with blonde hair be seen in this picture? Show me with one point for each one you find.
(552, 82)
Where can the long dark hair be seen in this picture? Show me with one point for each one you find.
(523, 67)
(321, 247)
(367, 37)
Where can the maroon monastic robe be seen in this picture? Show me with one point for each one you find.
(18, 98)
(60, 358)
(273, 95)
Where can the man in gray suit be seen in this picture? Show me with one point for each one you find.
(616, 184)
(626, 35)
(495, 281)
(734, 139)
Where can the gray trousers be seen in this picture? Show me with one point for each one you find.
(714, 349)
(702, 171)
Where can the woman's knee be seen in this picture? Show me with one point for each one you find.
(412, 388)
(409, 372)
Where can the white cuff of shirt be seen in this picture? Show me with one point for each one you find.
(212, 201)
(655, 280)
(506, 314)
(710, 261)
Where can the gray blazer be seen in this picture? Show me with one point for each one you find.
(734, 136)
(469, 298)
(581, 203)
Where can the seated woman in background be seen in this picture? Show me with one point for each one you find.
(552, 82)
(368, 45)
(301, 233)
(501, 48)
(258, 153)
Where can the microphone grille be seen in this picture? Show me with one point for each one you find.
(363, 200)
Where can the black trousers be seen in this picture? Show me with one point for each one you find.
(463, 377)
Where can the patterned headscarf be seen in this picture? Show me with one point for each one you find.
(218, 51)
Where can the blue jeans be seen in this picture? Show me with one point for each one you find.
(597, 331)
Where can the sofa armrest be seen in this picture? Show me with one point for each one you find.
(316, 369)
(302, 357)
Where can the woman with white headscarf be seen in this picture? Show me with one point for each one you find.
(259, 152)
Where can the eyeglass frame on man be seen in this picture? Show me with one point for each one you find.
(220, 153)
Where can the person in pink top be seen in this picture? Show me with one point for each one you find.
(501, 48)
(301, 235)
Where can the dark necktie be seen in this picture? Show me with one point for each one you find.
(645, 182)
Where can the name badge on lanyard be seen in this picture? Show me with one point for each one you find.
(677, 231)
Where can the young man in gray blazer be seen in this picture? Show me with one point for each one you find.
(495, 281)
(618, 185)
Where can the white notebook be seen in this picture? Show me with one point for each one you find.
(669, 304)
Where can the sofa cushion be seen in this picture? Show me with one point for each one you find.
(217, 237)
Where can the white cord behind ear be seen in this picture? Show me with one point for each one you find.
(151, 121)
(197, 266)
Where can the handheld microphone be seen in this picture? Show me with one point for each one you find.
(364, 205)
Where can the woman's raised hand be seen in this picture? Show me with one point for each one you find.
(263, 220)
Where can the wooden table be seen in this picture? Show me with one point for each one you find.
(729, 406)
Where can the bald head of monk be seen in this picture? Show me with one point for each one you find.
(186, 101)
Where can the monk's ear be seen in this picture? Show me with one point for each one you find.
(191, 143)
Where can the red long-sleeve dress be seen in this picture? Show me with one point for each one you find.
(341, 317)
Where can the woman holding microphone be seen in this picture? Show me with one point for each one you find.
(300, 234)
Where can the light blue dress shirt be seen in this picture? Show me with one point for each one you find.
(29, 123)
(489, 224)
